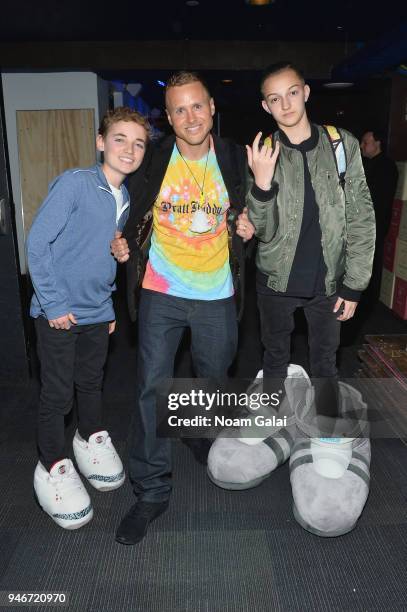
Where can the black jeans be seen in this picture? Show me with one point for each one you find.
(277, 324)
(162, 321)
(70, 359)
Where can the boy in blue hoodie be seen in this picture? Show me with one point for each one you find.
(73, 273)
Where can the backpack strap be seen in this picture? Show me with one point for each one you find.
(338, 148)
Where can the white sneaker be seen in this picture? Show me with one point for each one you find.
(98, 461)
(61, 494)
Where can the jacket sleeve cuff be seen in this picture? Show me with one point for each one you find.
(353, 295)
(261, 195)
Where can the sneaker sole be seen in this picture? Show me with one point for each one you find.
(317, 532)
(61, 523)
(238, 486)
(105, 487)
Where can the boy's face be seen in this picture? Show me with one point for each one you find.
(369, 146)
(190, 111)
(123, 149)
(284, 96)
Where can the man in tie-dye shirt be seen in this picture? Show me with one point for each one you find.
(189, 253)
(187, 196)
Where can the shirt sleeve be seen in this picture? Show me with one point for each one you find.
(262, 209)
(360, 223)
(50, 221)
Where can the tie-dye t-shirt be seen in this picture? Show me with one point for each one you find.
(189, 253)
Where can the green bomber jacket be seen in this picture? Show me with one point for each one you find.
(346, 216)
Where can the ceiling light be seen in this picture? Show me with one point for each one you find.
(227, 81)
(259, 2)
(343, 85)
(192, 3)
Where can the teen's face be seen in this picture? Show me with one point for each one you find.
(123, 149)
(369, 146)
(190, 112)
(284, 96)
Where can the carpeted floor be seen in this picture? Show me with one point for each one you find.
(214, 550)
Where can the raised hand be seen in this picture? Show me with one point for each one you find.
(262, 162)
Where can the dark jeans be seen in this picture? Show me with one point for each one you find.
(161, 323)
(277, 324)
(70, 359)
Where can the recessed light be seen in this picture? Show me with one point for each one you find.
(192, 3)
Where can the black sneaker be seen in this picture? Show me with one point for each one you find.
(134, 525)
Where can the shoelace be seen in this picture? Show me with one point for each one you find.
(101, 448)
(69, 481)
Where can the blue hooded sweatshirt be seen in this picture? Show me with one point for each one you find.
(68, 247)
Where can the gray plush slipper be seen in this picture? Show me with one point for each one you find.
(242, 457)
(329, 465)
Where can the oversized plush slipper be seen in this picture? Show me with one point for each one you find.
(329, 464)
(242, 457)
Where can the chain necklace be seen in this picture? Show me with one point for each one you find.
(200, 187)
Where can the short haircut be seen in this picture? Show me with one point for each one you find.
(123, 113)
(378, 135)
(280, 67)
(184, 77)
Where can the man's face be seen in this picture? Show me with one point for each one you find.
(369, 146)
(190, 112)
(123, 149)
(284, 96)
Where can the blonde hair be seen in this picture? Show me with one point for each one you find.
(184, 77)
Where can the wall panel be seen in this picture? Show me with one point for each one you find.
(49, 142)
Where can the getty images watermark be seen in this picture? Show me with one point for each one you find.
(356, 407)
(198, 411)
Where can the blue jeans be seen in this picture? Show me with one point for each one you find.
(162, 320)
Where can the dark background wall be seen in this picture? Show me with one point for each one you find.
(398, 118)
(357, 109)
(13, 352)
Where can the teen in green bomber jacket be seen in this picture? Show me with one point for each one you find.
(315, 235)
